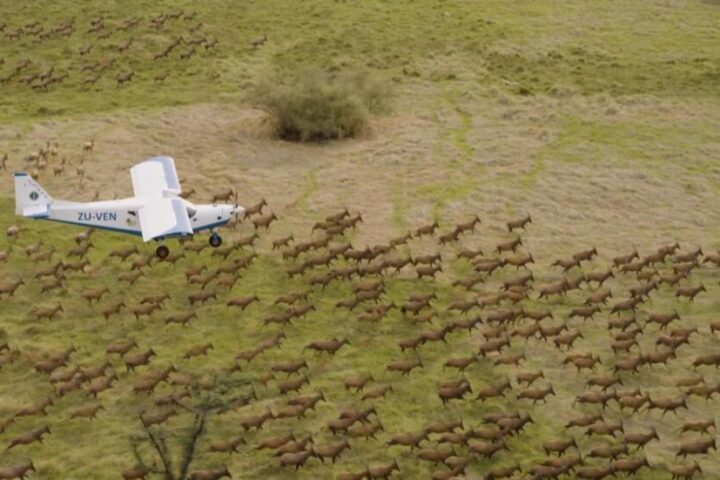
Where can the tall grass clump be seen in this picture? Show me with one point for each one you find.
(312, 104)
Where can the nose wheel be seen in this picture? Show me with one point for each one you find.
(162, 251)
(215, 240)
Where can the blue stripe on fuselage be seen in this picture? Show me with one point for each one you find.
(101, 227)
(131, 232)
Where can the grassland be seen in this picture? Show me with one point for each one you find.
(599, 119)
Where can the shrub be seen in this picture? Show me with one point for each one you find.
(312, 104)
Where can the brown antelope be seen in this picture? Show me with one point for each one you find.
(264, 221)
(124, 78)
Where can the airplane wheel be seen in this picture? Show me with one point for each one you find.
(215, 240)
(162, 251)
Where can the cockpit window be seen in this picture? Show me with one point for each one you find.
(191, 212)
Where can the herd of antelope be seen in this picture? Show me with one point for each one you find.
(591, 365)
(109, 46)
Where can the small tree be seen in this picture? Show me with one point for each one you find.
(150, 448)
(312, 104)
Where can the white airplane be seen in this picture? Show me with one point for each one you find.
(156, 212)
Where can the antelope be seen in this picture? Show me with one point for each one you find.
(124, 77)
(536, 394)
(293, 384)
(197, 351)
(282, 242)
(181, 318)
(383, 471)
(663, 319)
(327, 346)
(357, 382)
(426, 230)
(486, 449)
(17, 471)
(602, 428)
(143, 358)
(124, 253)
(685, 472)
(694, 447)
(255, 209)
(377, 392)
(276, 441)
(121, 347)
(428, 271)
(37, 409)
(407, 439)
(264, 221)
(48, 312)
(243, 302)
(96, 294)
(520, 261)
(667, 404)
(155, 299)
(699, 426)
(256, 421)
(558, 288)
(599, 277)
(29, 437)
(155, 418)
(229, 445)
(87, 411)
(690, 256)
(332, 450)
(529, 377)
(585, 312)
(641, 439)
(451, 236)
(558, 446)
(258, 41)
(448, 393)
(520, 223)
(510, 245)
(10, 287)
(492, 391)
(404, 366)
(690, 292)
(625, 305)
(201, 296)
(135, 472)
(599, 296)
(403, 239)
(146, 309)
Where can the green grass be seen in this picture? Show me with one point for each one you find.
(497, 42)
(613, 85)
(408, 408)
(229, 331)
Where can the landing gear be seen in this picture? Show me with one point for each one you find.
(162, 252)
(215, 240)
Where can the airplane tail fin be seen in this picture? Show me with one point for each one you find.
(31, 200)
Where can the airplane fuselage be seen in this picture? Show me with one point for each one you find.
(121, 215)
(156, 211)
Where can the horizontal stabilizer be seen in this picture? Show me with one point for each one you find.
(36, 211)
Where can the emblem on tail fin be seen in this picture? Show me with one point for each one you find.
(31, 200)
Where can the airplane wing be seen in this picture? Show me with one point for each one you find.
(155, 176)
(161, 217)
